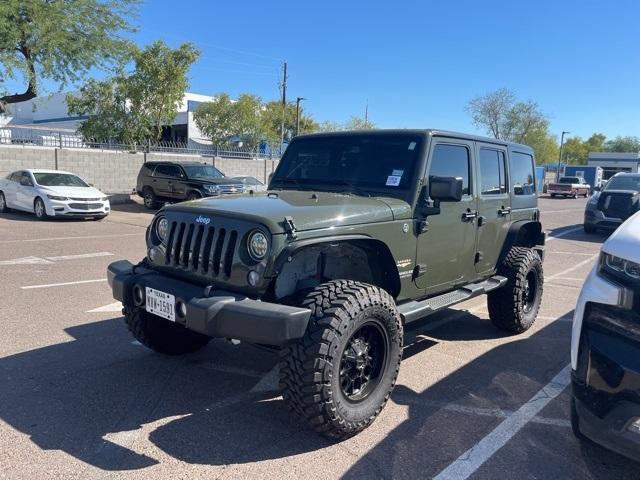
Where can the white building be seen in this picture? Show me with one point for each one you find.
(614, 162)
(50, 112)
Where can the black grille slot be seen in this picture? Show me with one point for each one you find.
(205, 252)
(228, 254)
(217, 253)
(195, 247)
(177, 245)
(186, 245)
(172, 232)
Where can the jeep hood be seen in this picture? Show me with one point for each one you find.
(308, 210)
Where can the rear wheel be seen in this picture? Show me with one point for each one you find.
(515, 306)
(3, 204)
(150, 200)
(39, 209)
(339, 376)
(163, 336)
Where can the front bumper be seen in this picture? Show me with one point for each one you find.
(77, 208)
(215, 313)
(606, 380)
(595, 218)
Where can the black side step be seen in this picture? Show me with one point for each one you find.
(412, 311)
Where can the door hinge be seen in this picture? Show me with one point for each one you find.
(290, 227)
(478, 257)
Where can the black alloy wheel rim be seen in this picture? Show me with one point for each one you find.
(2, 203)
(530, 293)
(148, 200)
(363, 361)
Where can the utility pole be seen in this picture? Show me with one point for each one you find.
(298, 100)
(366, 114)
(284, 104)
(560, 155)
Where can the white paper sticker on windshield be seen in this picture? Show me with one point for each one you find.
(412, 145)
(393, 180)
(397, 173)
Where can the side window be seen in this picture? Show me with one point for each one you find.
(168, 171)
(15, 177)
(25, 180)
(451, 161)
(493, 180)
(147, 169)
(522, 177)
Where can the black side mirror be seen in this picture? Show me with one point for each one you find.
(445, 189)
(597, 188)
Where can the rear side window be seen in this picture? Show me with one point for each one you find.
(493, 179)
(168, 171)
(15, 177)
(451, 161)
(522, 176)
(147, 169)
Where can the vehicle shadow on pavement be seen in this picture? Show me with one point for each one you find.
(448, 418)
(579, 235)
(89, 397)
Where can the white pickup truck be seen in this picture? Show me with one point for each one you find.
(569, 187)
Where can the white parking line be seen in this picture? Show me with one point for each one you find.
(31, 287)
(51, 239)
(575, 267)
(79, 255)
(112, 307)
(467, 463)
(569, 253)
(563, 233)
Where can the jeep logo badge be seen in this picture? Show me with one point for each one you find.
(203, 220)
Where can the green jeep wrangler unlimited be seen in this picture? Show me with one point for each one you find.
(359, 234)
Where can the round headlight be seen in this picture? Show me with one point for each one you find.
(162, 227)
(258, 245)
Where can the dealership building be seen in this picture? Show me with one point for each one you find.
(614, 162)
(50, 112)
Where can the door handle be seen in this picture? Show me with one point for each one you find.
(504, 211)
(469, 216)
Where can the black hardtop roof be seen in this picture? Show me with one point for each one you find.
(425, 132)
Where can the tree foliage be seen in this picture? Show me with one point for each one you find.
(623, 144)
(59, 41)
(132, 108)
(249, 120)
(502, 116)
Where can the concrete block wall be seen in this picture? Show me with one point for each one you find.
(116, 172)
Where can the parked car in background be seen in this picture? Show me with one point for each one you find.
(179, 181)
(52, 193)
(252, 183)
(569, 187)
(605, 346)
(613, 204)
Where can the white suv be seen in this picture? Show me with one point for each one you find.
(605, 346)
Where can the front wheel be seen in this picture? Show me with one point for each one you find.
(339, 376)
(39, 209)
(3, 204)
(150, 200)
(194, 196)
(515, 306)
(163, 336)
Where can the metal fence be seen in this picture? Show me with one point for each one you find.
(64, 138)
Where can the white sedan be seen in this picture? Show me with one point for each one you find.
(52, 193)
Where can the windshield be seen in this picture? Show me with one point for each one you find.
(569, 180)
(59, 180)
(202, 171)
(624, 182)
(352, 163)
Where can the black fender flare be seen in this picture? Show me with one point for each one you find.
(526, 233)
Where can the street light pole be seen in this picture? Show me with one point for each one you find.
(560, 155)
(298, 100)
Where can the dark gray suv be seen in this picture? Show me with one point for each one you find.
(617, 201)
(178, 181)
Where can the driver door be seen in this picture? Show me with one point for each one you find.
(445, 251)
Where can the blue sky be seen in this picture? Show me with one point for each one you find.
(417, 63)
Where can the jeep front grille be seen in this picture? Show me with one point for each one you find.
(201, 249)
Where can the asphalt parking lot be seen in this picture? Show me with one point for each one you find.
(80, 399)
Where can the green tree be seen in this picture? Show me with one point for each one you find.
(623, 144)
(505, 118)
(59, 41)
(576, 151)
(272, 121)
(159, 81)
(544, 145)
(358, 123)
(132, 108)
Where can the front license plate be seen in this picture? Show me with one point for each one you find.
(161, 304)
